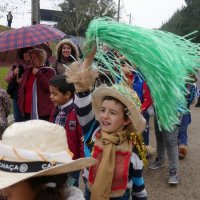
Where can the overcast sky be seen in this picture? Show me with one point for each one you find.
(149, 13)
(145, 13)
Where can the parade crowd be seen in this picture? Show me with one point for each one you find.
(86, 125)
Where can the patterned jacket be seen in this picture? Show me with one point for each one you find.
(4, 110)
(67, 118)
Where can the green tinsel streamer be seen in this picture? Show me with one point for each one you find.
(164, 59)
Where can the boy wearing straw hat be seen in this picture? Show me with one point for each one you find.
(113, 120)
(34, 161)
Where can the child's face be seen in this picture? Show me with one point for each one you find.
(126, 69)
(112, 117)
(57, 97)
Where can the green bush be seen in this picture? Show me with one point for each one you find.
(3, 72)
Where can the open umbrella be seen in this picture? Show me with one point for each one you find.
(11, 56)
(28, 36)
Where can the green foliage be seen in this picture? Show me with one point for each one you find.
(4, 28)
(76, 14)
(186, 20)
(3, 72)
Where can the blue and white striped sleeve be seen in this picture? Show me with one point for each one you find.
(138, 188)
(86, 118)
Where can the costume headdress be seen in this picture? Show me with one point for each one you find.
(164, 60)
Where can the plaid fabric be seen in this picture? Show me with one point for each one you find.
(61, 118)
(28, 36)
(62, 113)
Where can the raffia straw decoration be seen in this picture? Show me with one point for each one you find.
(164, 60)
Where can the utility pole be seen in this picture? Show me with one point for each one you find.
(118, 11)
(130, 18)
(35, 7)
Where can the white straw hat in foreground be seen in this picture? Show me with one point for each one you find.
(36, 148)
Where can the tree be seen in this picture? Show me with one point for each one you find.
(186, 20)
(76, 14)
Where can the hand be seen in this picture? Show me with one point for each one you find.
(19, 80)
(83, 78)
(35, 71)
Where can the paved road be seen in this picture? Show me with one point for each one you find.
(189, 185)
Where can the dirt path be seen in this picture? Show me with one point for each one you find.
(189, 185)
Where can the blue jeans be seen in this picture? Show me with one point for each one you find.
(145, 133)
(17, 115)
(182, 134)
(167, 140)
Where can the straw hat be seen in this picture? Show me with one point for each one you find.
(128, 97)
(36, 148)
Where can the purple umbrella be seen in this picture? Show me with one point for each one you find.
(28, 36)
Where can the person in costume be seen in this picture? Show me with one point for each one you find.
(62, 94)
(111, 121)
(35, 166)
(155, 53)
(66, 53)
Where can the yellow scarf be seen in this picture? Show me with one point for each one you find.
(101, 188)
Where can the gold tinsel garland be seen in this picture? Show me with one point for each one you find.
(137, 141)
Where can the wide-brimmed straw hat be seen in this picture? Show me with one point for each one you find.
(127, 97)
(36, 148)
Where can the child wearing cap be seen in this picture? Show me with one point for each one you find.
(111, 121)
(35, 162)
(61, 94)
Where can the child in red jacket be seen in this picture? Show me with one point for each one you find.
(62, 94)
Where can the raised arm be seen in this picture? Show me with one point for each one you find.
(83, 78)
